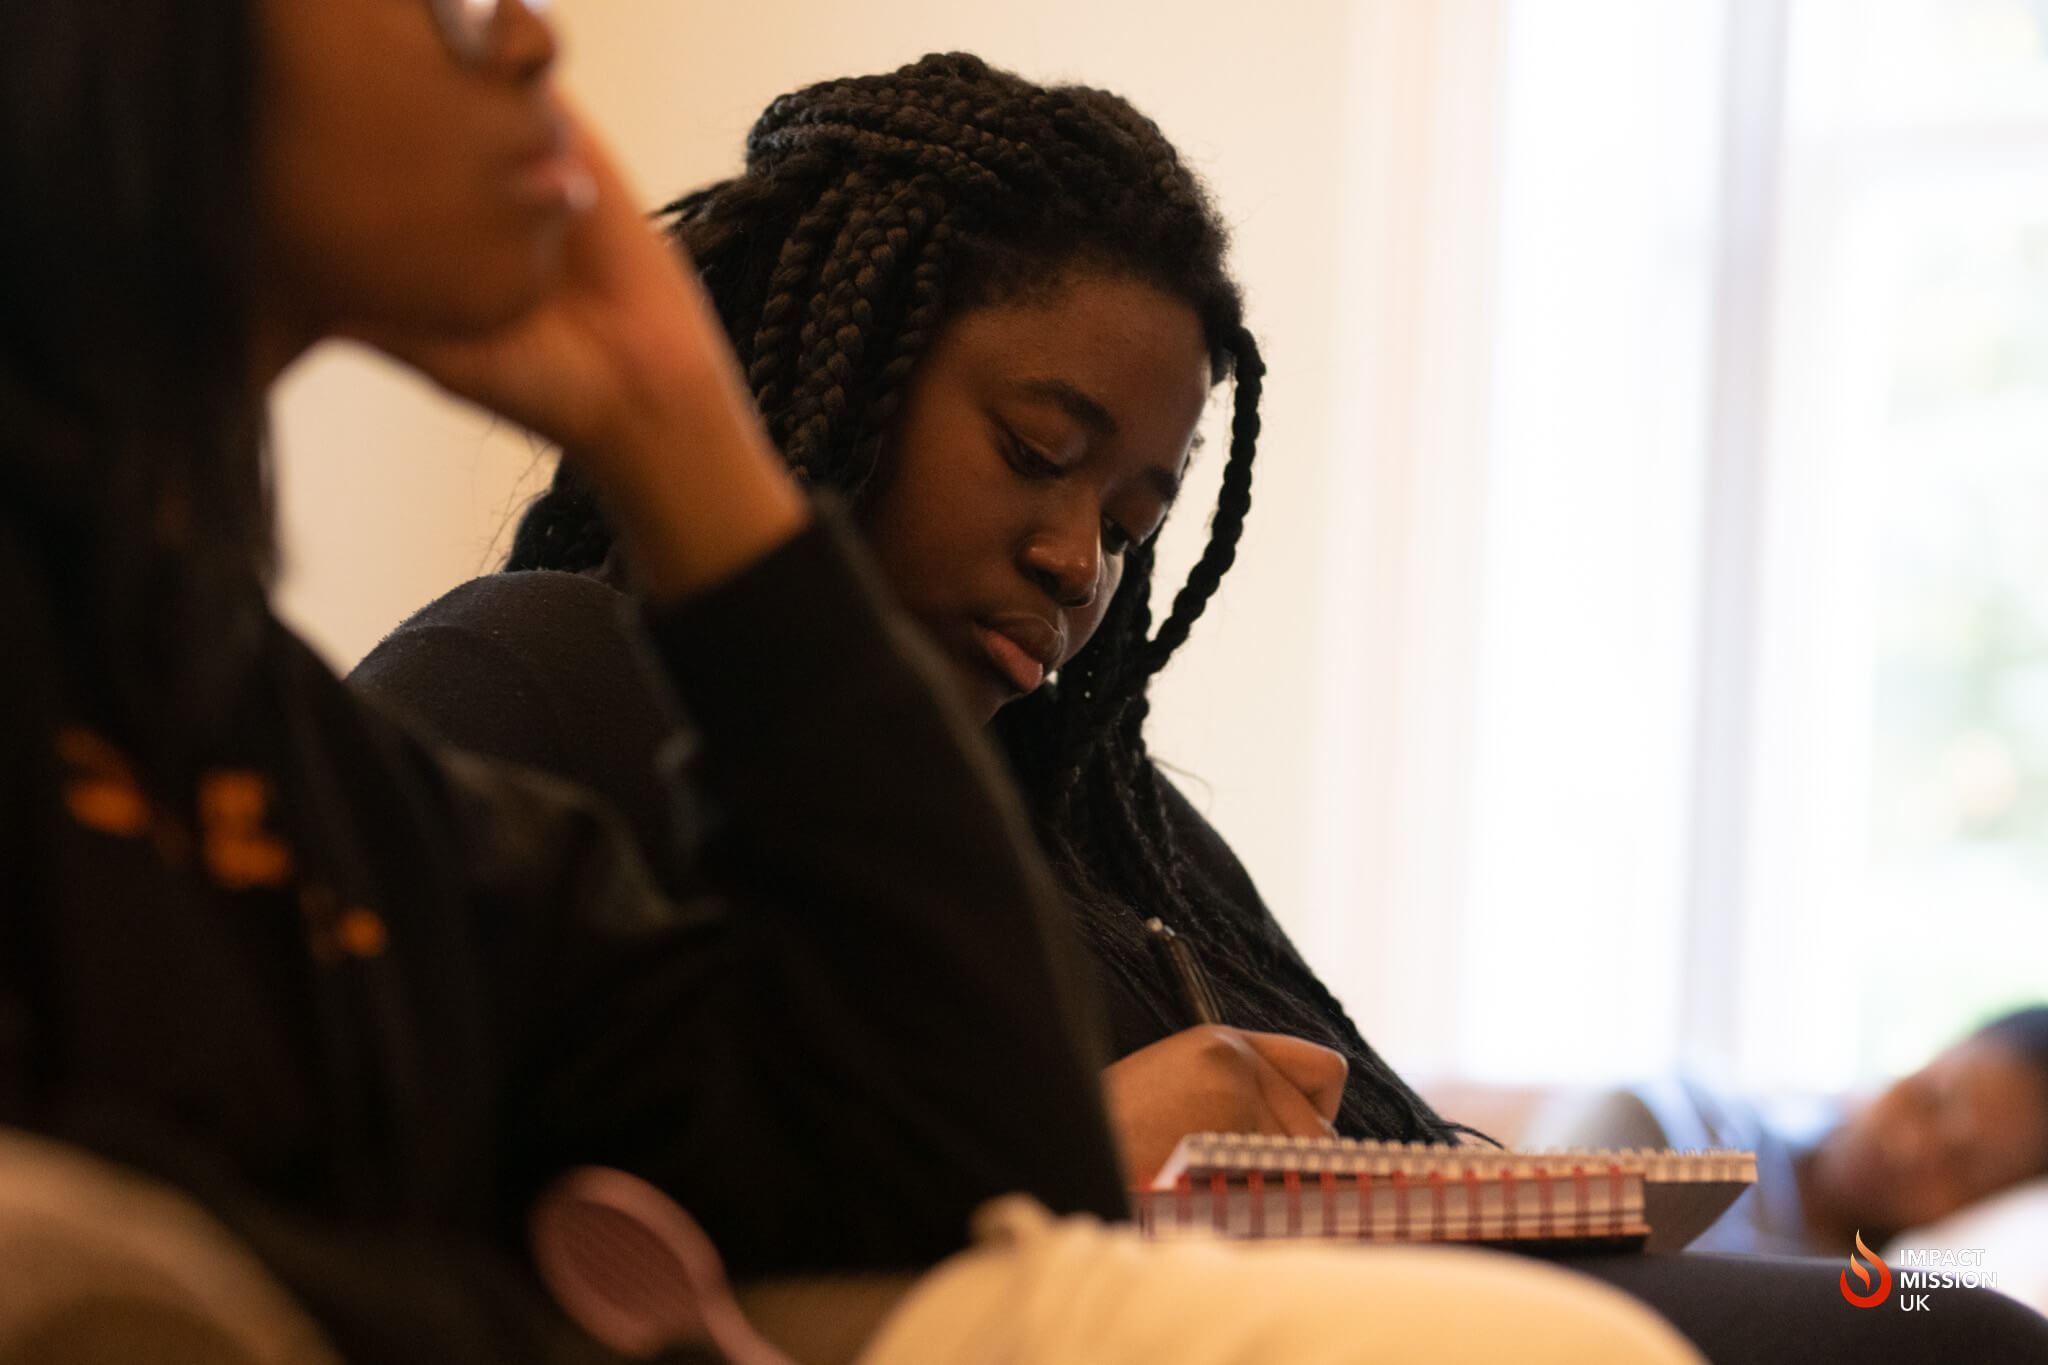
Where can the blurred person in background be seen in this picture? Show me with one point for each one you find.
(1968, 1124)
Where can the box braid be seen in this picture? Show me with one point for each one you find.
(872, 211)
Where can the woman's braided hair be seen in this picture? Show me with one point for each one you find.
(873, 211)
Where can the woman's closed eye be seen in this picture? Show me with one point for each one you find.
(1033, 463)
(1027, 459)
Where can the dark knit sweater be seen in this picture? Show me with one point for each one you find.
(384, 991)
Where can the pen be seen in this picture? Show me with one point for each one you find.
(1186, 972)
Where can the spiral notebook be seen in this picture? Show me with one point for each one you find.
(1251, 1186)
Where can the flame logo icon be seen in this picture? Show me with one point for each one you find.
(1870, 1298)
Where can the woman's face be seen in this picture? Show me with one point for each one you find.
(398, 186)
(1969, 1123)
(1039, 441)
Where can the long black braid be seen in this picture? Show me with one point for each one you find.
(873, 211)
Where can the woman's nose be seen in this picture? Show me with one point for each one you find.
(1066, 563)
(526, 44)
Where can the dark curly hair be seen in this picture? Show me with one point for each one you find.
(873, 211)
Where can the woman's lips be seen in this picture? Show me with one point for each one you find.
(1024, 671)
(558, 181)
(551, 172)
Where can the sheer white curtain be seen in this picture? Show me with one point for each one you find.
(1898, 884)
(1401, 560)
(1536, 357)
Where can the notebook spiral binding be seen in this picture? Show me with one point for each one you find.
(1249, 1186)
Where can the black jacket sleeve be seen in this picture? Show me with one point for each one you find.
(872, 1024)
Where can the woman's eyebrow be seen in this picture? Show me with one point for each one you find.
(1072, 401)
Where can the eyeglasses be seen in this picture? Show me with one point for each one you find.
(471, 27)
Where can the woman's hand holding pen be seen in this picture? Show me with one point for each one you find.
(1212, 1078)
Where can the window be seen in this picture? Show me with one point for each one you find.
(1747, 731)
(1902, 681)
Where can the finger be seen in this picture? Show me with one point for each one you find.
(1316, 1071)
(609, 186)
(1202, 1079)
(1288, 1110)
(613, 190)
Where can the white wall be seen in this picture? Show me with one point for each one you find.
(390, 496)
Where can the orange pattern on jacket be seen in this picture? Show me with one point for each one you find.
(242, 852)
